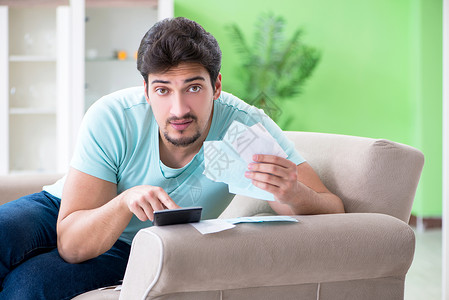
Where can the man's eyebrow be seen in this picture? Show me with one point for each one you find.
(160, 81)
(194, 78)
(185, 81)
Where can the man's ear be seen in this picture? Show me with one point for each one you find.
(217, 86)
(146, 91)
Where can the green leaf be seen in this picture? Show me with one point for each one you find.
(273, 67)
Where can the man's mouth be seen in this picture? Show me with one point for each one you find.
(180, 124)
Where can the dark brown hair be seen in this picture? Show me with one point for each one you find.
(176, 40)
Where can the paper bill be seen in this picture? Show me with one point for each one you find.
(227, 160)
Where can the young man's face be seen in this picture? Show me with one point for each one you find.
(182, 103)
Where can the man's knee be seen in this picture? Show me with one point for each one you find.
(22, 237)
(40, 277)
(26, 225)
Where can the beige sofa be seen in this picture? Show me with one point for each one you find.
(364, 254)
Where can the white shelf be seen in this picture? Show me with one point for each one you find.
(30, 172)
(99, 3)
(44, 72)
(121, 3)
(31, 58)
(104, 72)
(32, 111)
(40, 3)
(29, 88)
(109, 59)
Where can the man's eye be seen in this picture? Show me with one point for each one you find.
(195, 88)
(161, 91)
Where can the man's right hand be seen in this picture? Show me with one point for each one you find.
(143, 200)
(92, 216)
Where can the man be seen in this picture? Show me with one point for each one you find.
(141, 150)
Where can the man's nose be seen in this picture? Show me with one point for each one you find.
(179, 106)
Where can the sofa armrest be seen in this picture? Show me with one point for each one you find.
(15, 186)
(369, 175)
(322, 248)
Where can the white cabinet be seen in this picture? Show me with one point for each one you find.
(55, 61)
(113, 36)
(113, 31)
(29, 72)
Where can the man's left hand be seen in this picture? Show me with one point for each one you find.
(275, 175)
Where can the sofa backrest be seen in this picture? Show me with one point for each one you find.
(15, 186)
(369, 175)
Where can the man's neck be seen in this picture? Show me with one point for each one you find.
(177, 157)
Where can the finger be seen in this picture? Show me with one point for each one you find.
(170, 204)
(264, 178)
(140, 213)
(148, 209)
(266, 186)
(150, 215)
(273, 159)
(165, 201)
(156, 205)
(173, 206)
(269, 169)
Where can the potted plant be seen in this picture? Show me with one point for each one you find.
(273, 67)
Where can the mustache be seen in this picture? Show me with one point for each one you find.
(186, 116)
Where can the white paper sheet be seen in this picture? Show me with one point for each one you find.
(227, 160)
(217, 225)
(260, 219)
(211, 226)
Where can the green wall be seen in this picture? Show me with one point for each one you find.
(380, 74)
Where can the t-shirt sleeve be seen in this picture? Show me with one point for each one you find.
(99, 147)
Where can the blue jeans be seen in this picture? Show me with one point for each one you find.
(30, 265)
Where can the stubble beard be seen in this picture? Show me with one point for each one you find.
(183, 141)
